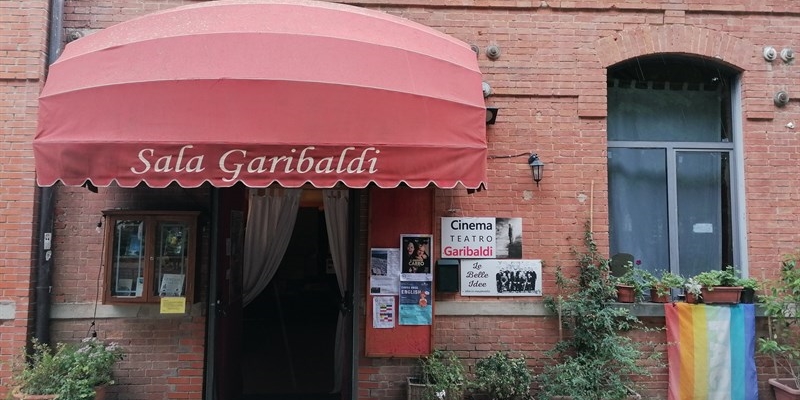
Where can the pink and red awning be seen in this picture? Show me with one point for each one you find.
(262, 92)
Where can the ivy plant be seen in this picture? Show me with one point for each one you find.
(595, 359)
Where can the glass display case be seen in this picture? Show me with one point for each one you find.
(151, 255)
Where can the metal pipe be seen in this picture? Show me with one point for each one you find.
(210, 388)
(47, 196)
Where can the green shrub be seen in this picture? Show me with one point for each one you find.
(503, 377)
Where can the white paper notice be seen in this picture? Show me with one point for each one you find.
(384, 271)
(383, 312)
(171, 285)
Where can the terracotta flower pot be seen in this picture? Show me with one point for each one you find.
(655, 298)
(692, 298)
(101, 392)
(784, 389)
(722, 295)
(625, 294)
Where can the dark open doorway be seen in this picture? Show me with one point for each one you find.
(289, 330)
(281, 345)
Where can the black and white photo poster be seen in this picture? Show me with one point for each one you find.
(501, 277)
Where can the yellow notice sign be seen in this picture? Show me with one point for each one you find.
(173, 305)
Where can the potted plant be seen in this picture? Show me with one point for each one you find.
(502, 377)
(783, 342)
(442, 377)
(630, 286)
(67, 371)
(692, 290)
(749, 287)
(719, 286)
(661, 286)
(597, 358)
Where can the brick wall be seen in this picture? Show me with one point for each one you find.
(549, 84)
(23, 32)
(164, 354)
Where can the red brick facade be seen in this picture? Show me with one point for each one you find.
(550, 86)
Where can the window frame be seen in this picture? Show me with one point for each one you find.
(151, 220)
(737, 197)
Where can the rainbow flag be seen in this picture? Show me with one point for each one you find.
(711, 351)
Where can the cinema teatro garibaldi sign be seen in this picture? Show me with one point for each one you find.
(490, 254)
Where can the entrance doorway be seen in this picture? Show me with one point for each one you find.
(289, 330)
(282, 345)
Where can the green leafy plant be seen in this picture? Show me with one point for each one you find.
(596, 358)
(747, 283)
(718, 277)
(637, 278)
(780, 304)
(665, 282)
(503, 377)
(693, 287)
(443, 375)
(72, 371)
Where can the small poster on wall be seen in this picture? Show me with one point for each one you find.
(384, 271)
(383, 312)
(501, 277)
(416, 253)
(481, 237)
(416, 303)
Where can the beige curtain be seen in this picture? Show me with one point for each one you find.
(270, 222)
(336, 221)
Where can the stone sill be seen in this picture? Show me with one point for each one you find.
(531, 309)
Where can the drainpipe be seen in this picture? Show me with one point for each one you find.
(46, 196)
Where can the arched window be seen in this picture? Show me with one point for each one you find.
(674, 146)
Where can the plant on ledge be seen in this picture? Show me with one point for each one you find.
(595, 360)
(719, 286)
(661, 285)
(635, 280)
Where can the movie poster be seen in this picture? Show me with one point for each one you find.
(416, 303)
(416, 253)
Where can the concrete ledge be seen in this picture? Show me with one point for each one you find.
(490, 308)
(8, 310)
(503, 308)
(87, 311)
(507, 308)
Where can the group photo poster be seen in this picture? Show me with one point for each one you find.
(416, 303)
(494, 277)
(384, 271)
(416, 253)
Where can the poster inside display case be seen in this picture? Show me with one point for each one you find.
(128, 261)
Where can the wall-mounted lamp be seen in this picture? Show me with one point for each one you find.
(536, 167)
(491, 115)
